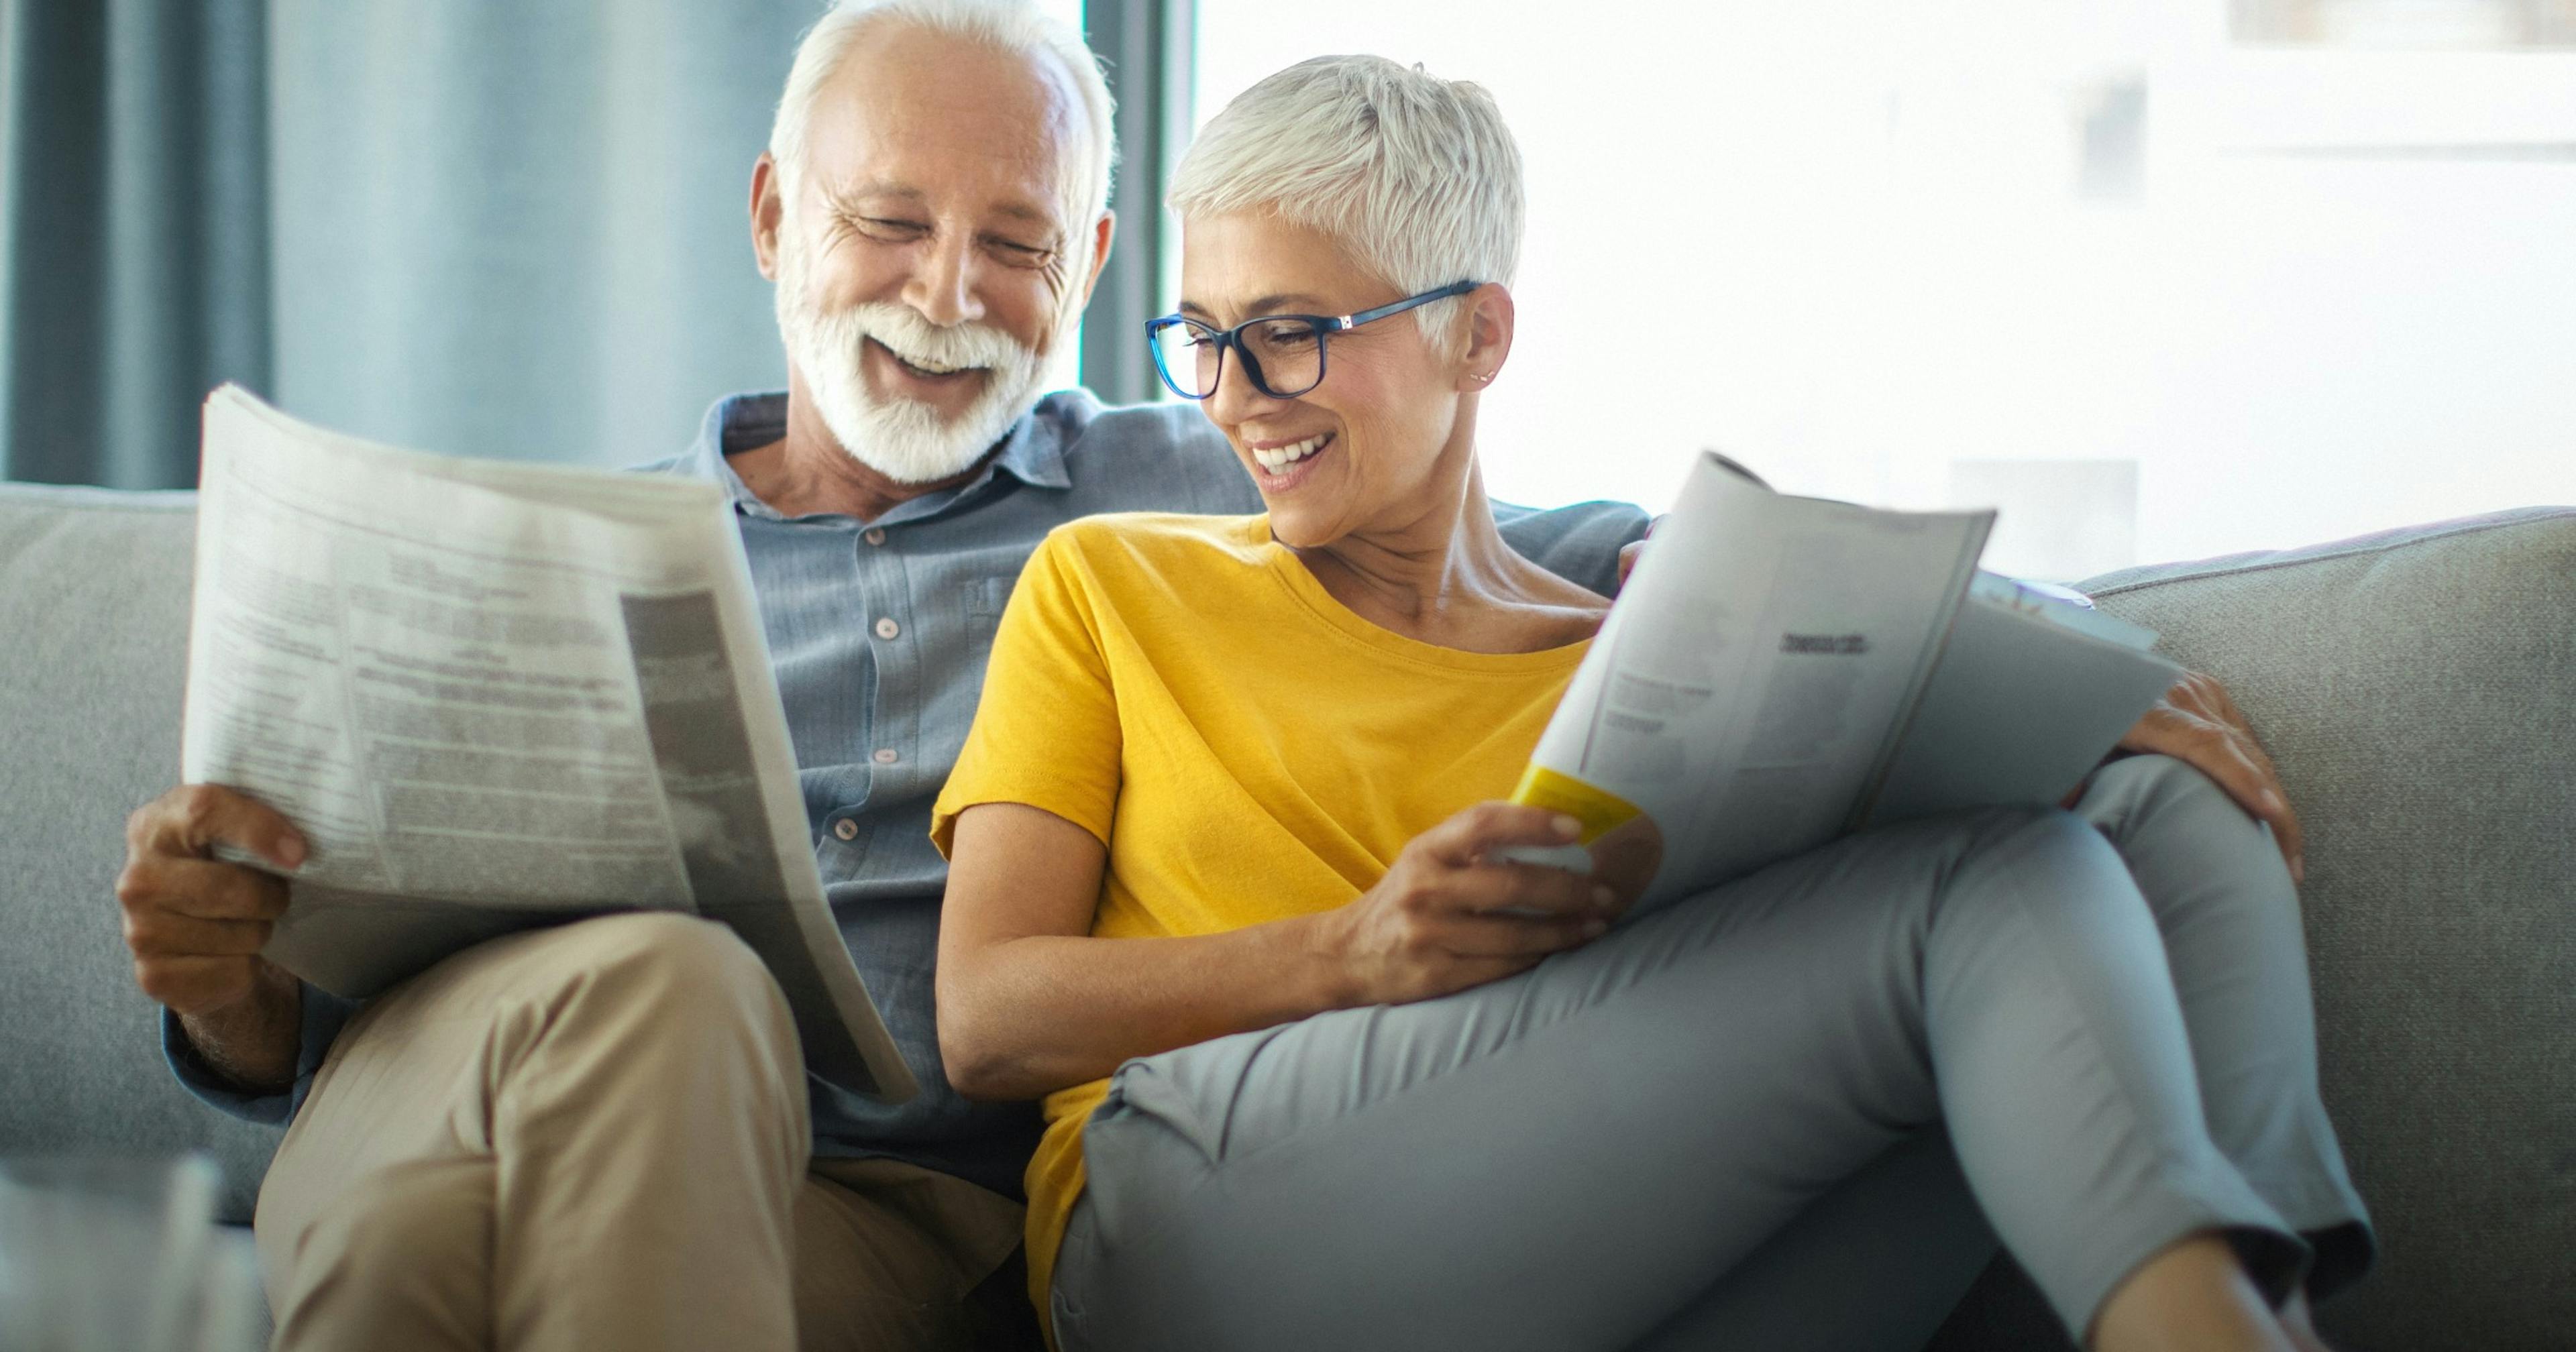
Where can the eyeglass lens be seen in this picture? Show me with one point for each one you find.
(1288, 356)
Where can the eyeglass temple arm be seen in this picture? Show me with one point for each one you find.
(1399, 307)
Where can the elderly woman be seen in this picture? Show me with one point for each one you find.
(1320, 1070)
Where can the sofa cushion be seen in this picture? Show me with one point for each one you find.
(2415, 688)
(2418, 691)
(93, 652)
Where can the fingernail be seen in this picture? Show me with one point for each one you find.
(290, 852)
(1568, 826)
(2271, 801)
(1594, 929)
(1602, 896)
(2298, 870)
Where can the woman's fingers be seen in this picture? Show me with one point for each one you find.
(1480, 830)
(1527, 890)
(1488, 935)
(2197, 723)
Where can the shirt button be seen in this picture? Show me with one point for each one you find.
(888, 629)
(885, 755)
(874, 537)
(846, 829)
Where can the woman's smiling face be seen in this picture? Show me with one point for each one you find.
(1379, 439)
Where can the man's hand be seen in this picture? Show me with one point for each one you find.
(196, 925)
(2197, 724)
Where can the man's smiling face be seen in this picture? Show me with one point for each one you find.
(926, 254)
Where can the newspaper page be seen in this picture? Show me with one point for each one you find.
(497, 696)
(1745, 691)
(1781, 670)
(2029, 694)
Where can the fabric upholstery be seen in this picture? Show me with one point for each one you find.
(93, 656)
(2415, 688)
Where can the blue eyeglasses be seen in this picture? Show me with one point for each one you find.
(1282, 354)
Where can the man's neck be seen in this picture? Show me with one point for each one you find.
(807, 472)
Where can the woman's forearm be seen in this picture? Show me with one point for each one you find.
(1028, 1016)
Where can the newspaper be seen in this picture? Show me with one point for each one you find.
(496, 696)
(1781, 670)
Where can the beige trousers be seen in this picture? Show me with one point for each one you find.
(595, 1136)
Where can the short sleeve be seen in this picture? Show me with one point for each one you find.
(1046, 732)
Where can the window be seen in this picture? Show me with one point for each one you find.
(2128, 263)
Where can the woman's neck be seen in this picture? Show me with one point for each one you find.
(1445, 576)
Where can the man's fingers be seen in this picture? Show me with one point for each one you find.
(202, 888)
(195, 985)
(192, 819)
(169, 934)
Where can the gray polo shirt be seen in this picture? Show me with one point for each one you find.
(879, 631)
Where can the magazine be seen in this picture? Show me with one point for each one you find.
(1779, 671)
(495, 696)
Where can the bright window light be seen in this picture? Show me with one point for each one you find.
(2096, 261)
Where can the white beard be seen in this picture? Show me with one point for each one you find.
(903, 439)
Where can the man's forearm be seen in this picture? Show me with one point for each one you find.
(254, 1041)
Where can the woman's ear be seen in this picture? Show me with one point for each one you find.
(1487, 319)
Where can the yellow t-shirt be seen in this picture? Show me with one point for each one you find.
(1245, 746)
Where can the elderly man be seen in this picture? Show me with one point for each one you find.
(600, 1134)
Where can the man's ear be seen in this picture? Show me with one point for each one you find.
(1488, 320)
(768, 207)
(1102, 234)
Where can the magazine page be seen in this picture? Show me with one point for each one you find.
(1748, 687)
(489, 704)
(2030, 692)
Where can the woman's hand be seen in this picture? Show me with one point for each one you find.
(2196, 723)
(1448, 916)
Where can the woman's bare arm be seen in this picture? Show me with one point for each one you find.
(1029, 1003)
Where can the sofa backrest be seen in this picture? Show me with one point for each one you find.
(93, 653)
(2418, 691)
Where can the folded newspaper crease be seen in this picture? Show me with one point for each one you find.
(1781, 670)
(496, 696)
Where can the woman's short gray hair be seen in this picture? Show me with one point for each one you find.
(1012, 25)
(1416, 175)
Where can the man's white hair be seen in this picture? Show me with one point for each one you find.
(1414, 174)
(1011, 25)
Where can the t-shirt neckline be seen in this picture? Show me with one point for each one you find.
(1319, 601)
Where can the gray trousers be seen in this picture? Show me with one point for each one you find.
(1796, 1111)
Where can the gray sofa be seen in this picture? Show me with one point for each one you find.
(2418, 689)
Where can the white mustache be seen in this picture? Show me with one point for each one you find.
(900, 329)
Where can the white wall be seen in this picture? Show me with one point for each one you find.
(1842, 240)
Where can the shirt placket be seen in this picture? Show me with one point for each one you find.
(891, 739)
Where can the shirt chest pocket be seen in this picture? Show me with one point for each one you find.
(982, 601)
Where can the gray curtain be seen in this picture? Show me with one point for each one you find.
(496, 227)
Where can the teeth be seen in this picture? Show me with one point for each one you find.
(1281, 457)
(926, 367)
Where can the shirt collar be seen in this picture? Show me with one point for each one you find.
(1032, 452)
